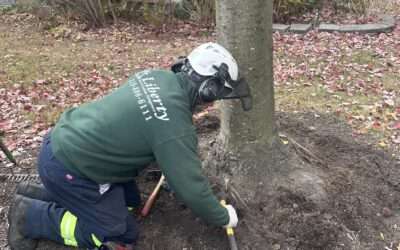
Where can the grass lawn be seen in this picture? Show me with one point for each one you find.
(353, 76)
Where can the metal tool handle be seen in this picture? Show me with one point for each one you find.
(232, 242)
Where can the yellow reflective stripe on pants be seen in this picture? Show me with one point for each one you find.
(96, 241)
(67, 229)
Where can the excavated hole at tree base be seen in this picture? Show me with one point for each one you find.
(326, 191)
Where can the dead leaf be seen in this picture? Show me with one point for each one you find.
(382, 236)
(382, 144)
(396, 126)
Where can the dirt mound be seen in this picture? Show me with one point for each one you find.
(361, 186)
(344, 195)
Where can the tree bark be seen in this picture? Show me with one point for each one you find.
(245, 29)
(247, 154)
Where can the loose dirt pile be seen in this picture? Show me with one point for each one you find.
(351, 199)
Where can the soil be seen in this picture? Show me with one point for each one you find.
(345, 196)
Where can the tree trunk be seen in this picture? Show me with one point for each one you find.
(245, 29)
(256, 167)
(245, 149)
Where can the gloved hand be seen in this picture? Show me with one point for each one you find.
(233, 218)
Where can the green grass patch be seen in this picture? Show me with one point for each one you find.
(362, 57)
(29, 57)
(32, 58)
(362, 106)
(391, 81)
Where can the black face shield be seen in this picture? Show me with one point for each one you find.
(240, 90)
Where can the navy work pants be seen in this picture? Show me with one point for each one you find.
(78, 212)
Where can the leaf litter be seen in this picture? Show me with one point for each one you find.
(349, 75)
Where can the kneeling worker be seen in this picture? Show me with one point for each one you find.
(88, 161)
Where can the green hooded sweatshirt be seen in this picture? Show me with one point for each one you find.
(146, 119)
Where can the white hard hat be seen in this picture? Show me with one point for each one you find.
(203, 58)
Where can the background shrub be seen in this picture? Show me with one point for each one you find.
(158, 12)
(356, 6)
(286, 9)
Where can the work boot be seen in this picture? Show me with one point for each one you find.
(33, 191)
(16, 222)
(115, 246)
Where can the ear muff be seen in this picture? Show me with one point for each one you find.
(211, 89)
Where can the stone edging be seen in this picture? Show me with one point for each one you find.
(386, 24)
(7, 2)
